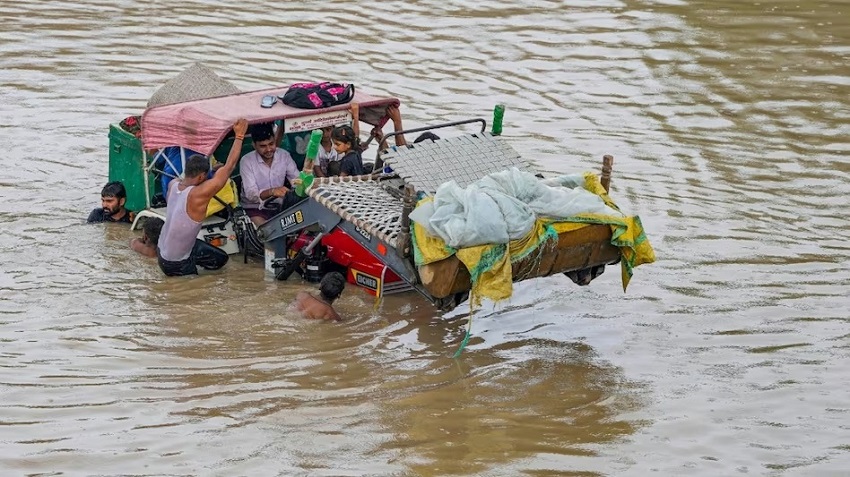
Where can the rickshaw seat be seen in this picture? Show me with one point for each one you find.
(228, 194)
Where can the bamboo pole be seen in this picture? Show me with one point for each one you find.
(408, 204)
(607, 167)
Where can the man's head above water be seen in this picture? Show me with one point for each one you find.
(112, 197)
(331, 286)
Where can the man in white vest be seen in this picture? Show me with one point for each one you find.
(179, 252)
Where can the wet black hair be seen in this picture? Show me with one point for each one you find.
(331, 286)
(425, 136)
(345, 135)
(261, 132)
(114, 189)
(197, 165)
(152, 229)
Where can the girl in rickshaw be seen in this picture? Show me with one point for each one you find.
(340, 152)
(347, 145)
(346, 141)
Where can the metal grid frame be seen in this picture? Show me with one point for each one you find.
(464, 159)
(363, 202)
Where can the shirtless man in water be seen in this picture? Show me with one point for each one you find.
(150, 237)
(319, 308)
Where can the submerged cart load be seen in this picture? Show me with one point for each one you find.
(374, 213)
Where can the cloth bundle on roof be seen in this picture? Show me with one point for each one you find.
(196, 82)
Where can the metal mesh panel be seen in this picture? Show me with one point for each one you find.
(196, 82)
(463, 159)
(363, 202)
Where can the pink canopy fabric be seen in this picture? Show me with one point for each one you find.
(201, 125)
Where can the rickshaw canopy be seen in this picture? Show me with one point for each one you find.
(202, 124)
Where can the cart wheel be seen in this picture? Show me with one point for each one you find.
(290, 266)
(451, 302)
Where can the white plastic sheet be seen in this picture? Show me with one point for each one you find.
(503, 206)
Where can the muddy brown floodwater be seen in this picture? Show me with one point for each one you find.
(729, 122)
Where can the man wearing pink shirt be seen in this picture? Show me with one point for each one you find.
(268, 171)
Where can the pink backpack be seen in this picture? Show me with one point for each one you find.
(318, 95)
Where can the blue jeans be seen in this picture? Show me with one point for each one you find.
(203, 255)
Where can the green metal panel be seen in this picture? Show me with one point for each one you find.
(223, 150)
(126, 164)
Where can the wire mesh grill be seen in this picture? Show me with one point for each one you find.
(363, 202)
(464, 159)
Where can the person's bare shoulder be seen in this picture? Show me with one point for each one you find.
(301, 300)
(332, 315)
(143, 248)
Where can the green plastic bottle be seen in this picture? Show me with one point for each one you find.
(498, 116)
(306, 182)
(312, 151)
(313, 145)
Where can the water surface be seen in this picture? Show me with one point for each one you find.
(729, 124)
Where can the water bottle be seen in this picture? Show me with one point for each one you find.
(313, 145)
(306, 175)
(498, 115)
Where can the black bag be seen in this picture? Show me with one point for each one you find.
(318, 95)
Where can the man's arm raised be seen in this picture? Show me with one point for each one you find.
(395, 115)
(201, 195)
(355, 119)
